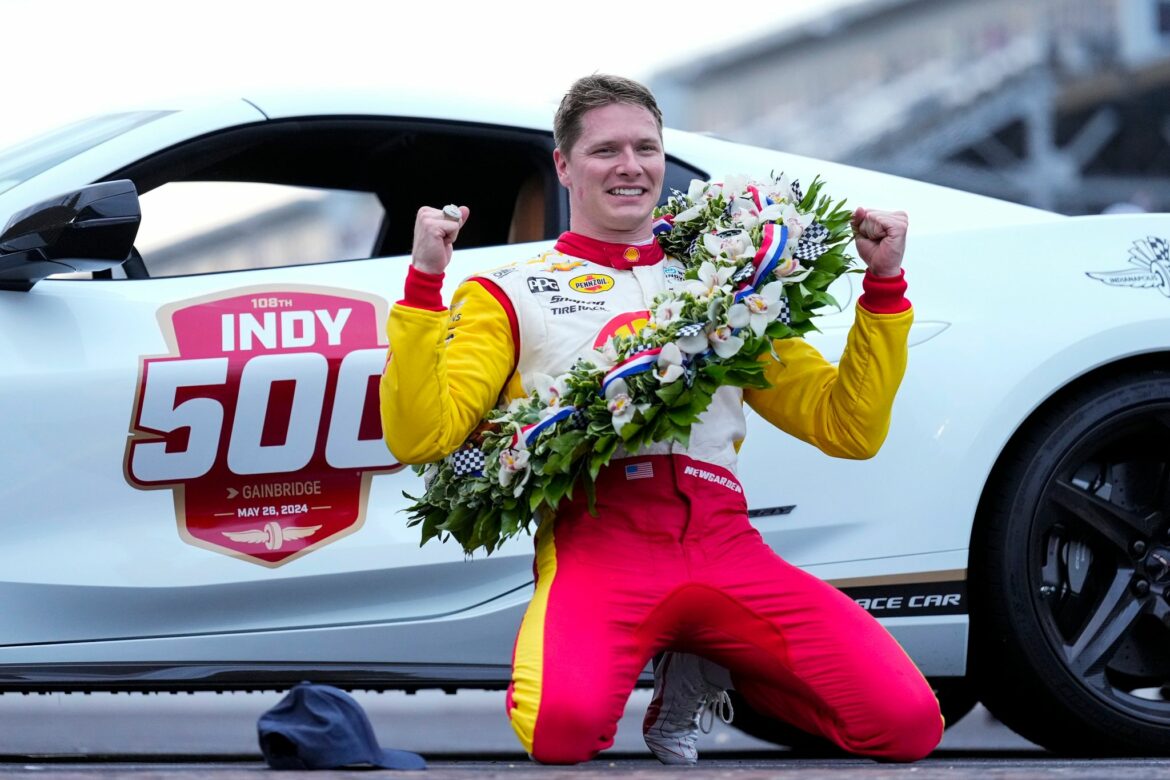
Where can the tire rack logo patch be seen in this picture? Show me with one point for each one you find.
(1150, 258)
(263, 419)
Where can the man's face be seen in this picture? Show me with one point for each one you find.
(613, 173)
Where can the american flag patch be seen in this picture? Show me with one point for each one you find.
(640, 470)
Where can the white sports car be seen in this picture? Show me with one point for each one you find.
(196, 494)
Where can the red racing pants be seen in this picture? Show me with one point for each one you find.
(671, 562)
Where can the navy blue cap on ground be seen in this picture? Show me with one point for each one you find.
(322, 727)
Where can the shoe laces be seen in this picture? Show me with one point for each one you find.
(716, 704)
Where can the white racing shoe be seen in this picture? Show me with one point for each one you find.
(688, 695)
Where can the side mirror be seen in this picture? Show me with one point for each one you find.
(90, 229)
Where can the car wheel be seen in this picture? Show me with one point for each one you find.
(956, 697)
(1070, 574)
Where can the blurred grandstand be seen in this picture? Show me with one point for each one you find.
(1061, 104)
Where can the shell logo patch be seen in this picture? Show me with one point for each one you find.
(628, 323)
(591, 283)
(262, 419)
(632, 255)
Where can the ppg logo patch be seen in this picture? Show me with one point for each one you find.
(537, 284)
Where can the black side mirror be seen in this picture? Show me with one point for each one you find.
(90, 229)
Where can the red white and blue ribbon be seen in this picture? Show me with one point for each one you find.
(663, 224)
(775, 236)
(530, 432)
(634, 364)
(757, 198)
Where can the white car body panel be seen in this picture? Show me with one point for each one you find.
(89, 580)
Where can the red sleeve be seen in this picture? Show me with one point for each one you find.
(884, 294)
(423, 290)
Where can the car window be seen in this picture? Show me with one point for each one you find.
(206, 227)
(309, 190)
(28, 158)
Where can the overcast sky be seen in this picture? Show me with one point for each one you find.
(62, 59)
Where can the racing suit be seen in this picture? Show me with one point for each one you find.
(671, 561)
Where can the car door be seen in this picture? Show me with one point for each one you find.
(194, 465)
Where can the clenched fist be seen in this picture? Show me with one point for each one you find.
(881, 239)
(434, 238)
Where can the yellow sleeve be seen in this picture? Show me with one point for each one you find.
(843, 411)
(445, 371)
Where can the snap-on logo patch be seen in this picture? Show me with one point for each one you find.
(591, 283)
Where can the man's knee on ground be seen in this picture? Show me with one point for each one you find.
(572, 733)
(904, 728)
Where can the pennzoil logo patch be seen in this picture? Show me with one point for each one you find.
(263, 419)
(591, 283)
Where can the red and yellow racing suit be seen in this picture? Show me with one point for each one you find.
(671, 562)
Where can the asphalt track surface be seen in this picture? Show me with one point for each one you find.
(464, 736)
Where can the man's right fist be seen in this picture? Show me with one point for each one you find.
(434, 237)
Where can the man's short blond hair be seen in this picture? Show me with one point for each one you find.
(593, 92)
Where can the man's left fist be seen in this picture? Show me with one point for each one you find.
(881, 239)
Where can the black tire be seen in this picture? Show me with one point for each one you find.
(956, 698)
(1070, 574)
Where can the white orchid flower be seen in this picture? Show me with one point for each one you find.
(745, 218)
(724, 341)
(742, 203)
(696, 190)
(739, 315)
(781, 190)
(619, 403)
(735, 184)
(688, 214)
(693, 345)
(512, 463)
(796, 222)
(668, 312)
(609, 354)
(669, 367)
(551, 391)
(710, 281)
(731, 244)
(600, 359)
(772, 213)
(764, 306)
(787, 267)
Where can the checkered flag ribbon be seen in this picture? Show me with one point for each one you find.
(694, 329)
(467, 461)
(743, 274)
(816, 233)
(797, 192)
(806, 251)
(810, 246)
(785, 312)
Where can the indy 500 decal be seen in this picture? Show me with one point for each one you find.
(264, 419)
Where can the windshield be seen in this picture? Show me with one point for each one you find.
(28, 158)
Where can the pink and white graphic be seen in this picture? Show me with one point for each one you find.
(264, 418)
